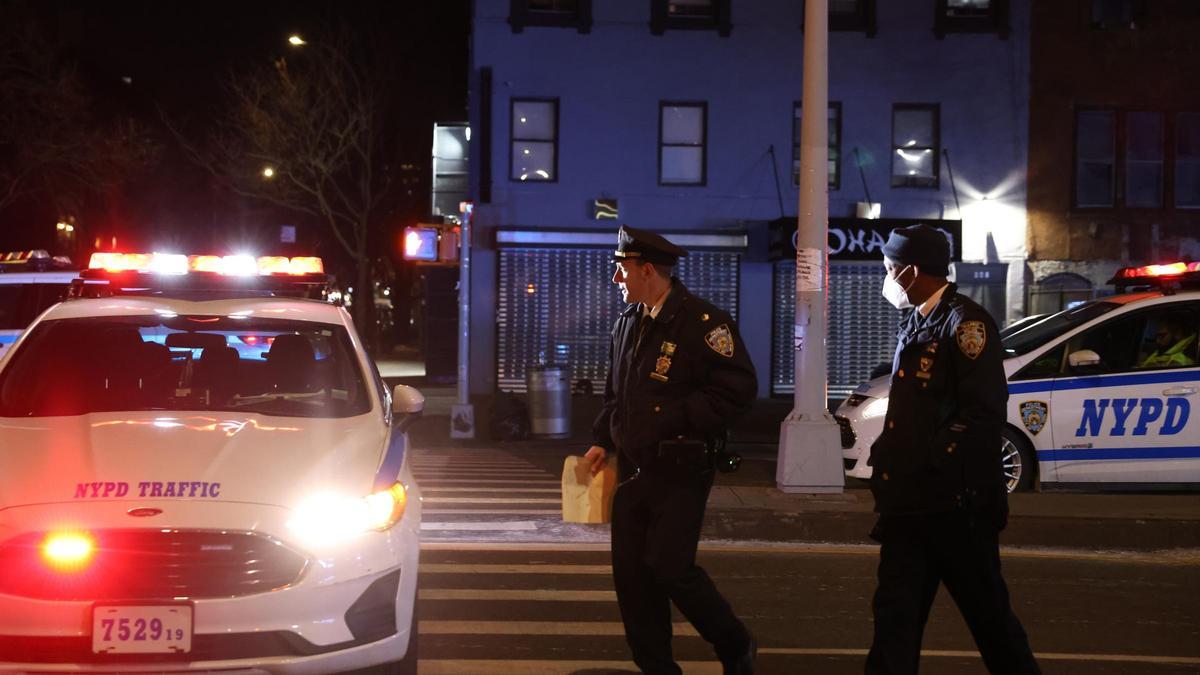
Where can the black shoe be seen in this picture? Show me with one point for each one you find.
(744, 664)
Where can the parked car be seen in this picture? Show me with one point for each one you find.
(168, 501)
(1100, 395)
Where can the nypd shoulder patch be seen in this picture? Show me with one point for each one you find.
(720, 340)
(972, 338)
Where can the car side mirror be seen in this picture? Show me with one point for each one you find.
(407, 401)
(1084, 358)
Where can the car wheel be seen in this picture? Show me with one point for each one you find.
(1018, 461)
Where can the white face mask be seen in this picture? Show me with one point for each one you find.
(895, 293)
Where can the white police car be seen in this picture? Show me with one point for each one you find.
(30, 282)
(168, 504)
(1104, 394)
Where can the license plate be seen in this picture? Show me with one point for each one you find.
(142, 629)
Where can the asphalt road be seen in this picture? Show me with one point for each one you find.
(553, 611)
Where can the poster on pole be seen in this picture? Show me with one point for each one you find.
(808, 270)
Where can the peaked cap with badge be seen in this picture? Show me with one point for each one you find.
(646, 246)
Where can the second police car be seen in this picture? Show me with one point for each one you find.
(171, 502)
(1104, 394)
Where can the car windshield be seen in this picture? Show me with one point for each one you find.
(171, 362)
(1039, 333)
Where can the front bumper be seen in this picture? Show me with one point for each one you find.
(349, 610)
(857, 436)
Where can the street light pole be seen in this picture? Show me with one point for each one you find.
(809, 442)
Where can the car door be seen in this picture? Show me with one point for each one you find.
(1121, 412)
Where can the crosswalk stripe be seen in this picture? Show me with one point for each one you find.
(492, 481)
(480, 512)
(492, 489)
(479, 525)
(531, 667)
(587, 628)
(511, 595)
(490, 500)
(499, 568)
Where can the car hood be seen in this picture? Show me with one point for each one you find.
(208, 457)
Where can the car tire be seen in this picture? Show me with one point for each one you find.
(1018, 461)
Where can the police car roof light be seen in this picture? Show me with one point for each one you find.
(230, 265)
(1168, 276)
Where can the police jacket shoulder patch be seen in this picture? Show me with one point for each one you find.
(720, 340)
(972, 338)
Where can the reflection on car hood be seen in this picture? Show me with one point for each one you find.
(185, 456)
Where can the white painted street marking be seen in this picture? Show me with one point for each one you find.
(954, 654)
(492, 481)
(489, 568)
(1175, 557)
(511, 595)
(586, 628)
(478, 525)
(484, 512)
(490, 489)
(489, 500)
(529, 667)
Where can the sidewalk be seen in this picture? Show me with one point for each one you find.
(746, 505)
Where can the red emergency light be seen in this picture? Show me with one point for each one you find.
(229, 265)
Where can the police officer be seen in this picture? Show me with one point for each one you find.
(678, 373)
(938, 481)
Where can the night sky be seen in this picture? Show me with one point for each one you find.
(137, 57)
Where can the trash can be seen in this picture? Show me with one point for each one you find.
(549, 390)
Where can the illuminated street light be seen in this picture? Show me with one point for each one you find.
(296, 41)
(268, 172)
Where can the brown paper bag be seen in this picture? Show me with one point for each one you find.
(587, 498)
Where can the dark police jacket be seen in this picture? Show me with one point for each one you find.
(940, 446)
(690, 376)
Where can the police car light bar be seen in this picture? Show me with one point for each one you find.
(230, 265)
(1168, 276)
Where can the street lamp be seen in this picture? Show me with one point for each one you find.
(268, 172)
(296, 41)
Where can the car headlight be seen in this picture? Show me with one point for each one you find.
(876, 408)
(325, 519)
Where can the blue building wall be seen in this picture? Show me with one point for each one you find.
(609, 83)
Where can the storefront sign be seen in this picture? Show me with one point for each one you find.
(859, 238)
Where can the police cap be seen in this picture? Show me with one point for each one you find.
(920, 245)
(646, 246)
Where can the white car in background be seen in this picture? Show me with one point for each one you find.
(1102, 395)
(170, 503)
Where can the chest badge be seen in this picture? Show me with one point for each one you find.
(720, 340)
(972, 338)
(663, 363)
(1033, 415)
(926, 367)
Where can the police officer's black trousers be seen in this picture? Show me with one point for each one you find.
(656, 522)
(961, 551)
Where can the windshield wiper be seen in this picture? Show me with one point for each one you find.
(308, 397)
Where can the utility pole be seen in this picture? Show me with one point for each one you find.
(810, 450)
(462, 414)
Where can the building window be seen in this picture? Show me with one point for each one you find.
(1095, 158)
(1187, 160)
(835, 145)
(1118, 14)
(534, 145)
(562, 13)
(970, 16)
(682, 138)
(916, 145)
(1144, 160)
(851, 16)
(690, 15)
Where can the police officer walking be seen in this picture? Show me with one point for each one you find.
(938, 480)
(678, 373)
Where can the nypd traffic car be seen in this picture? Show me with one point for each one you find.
(1104, 395)
(170, 503)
